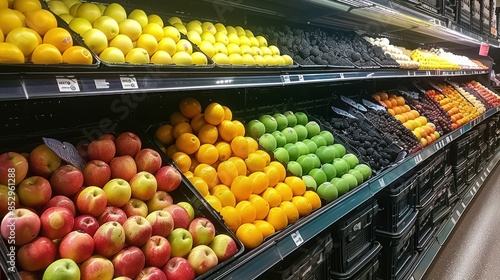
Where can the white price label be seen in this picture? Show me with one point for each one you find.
(463, 204)
(341, 75)
(453, 221)
(301, 78)
(458, 213)
(129, 83)
(474, 188)
(297, 238)
(286, 79)
(101, 83)
(381, 182)
(68, 85)
(418, 159)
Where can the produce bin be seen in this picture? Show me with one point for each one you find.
(365, 269)
(424, 225)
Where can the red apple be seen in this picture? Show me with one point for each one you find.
(66, 180)
(43, 161)
(129, 262)
(29, 275)
(189, 208)
(178, 268)
(20, 226)
(202, 258)
(107, 136)
(34, 191)
(56, 222)
(118, 192)
(161, 221)
(168, 178)
(83, 150)
(109, 239)
(13, 168)
(160, 200)
(151, 273)
(143, 185)
(96, 267)
(180, 215)
(112, 213)
(135, 207)
(128, 143)
(202, 230)
(36, 255)
(86, 223)
(9, 200)
(148, 160)
(62, 201)
(156, 251)
(96, 173)
(224, 246)
(103, 149)
(137, 230)
(123, 167)
(76, 245)
(91, 200)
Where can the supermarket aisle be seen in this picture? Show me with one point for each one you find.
(472, 251)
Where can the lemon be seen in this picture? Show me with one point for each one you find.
(182, 58)
(25, 39)
(122, 42)
(10, 54)
(161, 57)
(148, 42)
(112, 55)
(131, 28)
(167, 44)
(116, 11)
(80, 25)
(137, 56)
(199, 58)
(140, 16)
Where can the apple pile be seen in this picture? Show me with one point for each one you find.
(489, 96)
(95, 222)
(309, 152)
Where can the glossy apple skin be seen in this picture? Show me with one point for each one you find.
(24, 224)
(137, 230)
(161, 222)
(66, 180)
(65, 269)
(76, 245)
(181, 242)
(168, 178)
(151, 273)
(160, 200)
(96, 267)
(9, 200)
(156, 251)
(202, 230)
(56, 222)
(103, 149)
(129, 262)
(148, 160)
(128, 143)
(143, 185)
(91, 200)
(109, 239)
(34, 191)
(17, 164)
(180, 215)
(135, 207)
(96, 173)
(43, 161)
(123, 167)
(202, 258)
(36, 255)
(112, 213)
(178, 268)
(61, 201)
(86, 223)
(224, 246)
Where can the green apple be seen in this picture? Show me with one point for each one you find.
(180, 241)
(311, 145)
(281, 120)
(306, 162)
(280, 138)
(269, 122)
(291, 118)
(327, 191)
(303, 149)
(358, 175)
(351, 180)
(301, 118)
(255, 129)
(318, 175)
(341, 185)
(62, 269)
(328, 136)
(293, 151)
(281, 155)
(310, 182)
(340, 148)
(267, 142)
(365, 170)
(326, 154)
(290, 135)
(329, 170)
(316, 160)
(189, 208)
(301, 132)
(294, 168)
(319, 140)
(313, 128)
(341, 166)
(351, 159)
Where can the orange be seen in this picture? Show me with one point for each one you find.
(171, 150)
(187, 143)
(241, 187)
(46, 54)
(25, 6)
(227, 130)
(387, 103)
(273, 175)
(391, 111)
(255, 162)
(314, 198)
(59, 37)
(189, 107)
(290, 210)
(383, 96)
(9, 20)
(177, 117)
(77, 55)
(164, 134)
(247, 211)
(397, 110)
(277, 218)
(407, 108)
(303, 205)
(265, 155)
(208, 134)
(207, 153)
(393, 101)
(280, 168)
(400, 101)
(214, 202)
(376, 97)
(182, 161)
(415, 114)
(285, 191)
(24, 38)
(265, 227)
(41, 21)
(240, 128)
(231, 217)
(272, 196)
(227, 171)
(228, 115)
(207, 173)
(215, 164)
(219, 187)
(214, 113)
(200, 185)
(253, 145)
(261, 205)
(259, 180)
(298, 186)
(224, 150)
(226, 197)
(180, 128)
(188, 174)
(10, 54)
(239, 146)
(240, 164)
(197, 122)
(249, 235)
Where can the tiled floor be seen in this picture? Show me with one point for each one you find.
(473, 249)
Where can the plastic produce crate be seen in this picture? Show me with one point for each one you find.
(425, 183)
(438, 170)
(460, 178)
(353, 236)
(459, 150)
(479, 161)
(471, 167)
(396, 203)
(473, 142)
(85, 133)
(365, 269)
(424, 226)
(481, 129)
(491, 148)
(398, 252)
(442, 207)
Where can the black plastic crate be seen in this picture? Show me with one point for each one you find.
(398, 252)
(442, 207)
(424, 226)
(491, 148)
(471, 167)
(490, 132)
(460, 178)
(479, 162)
(310, 262)
(365, 269)
(480, 133)
(425, 184)
(353, 236)
(464, 13)
(459, 150)
(472, 143)
(396, 204)
(439, 162)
